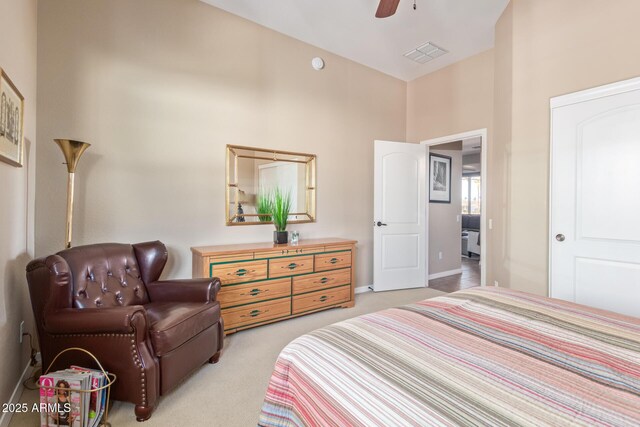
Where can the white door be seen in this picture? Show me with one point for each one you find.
(595, 202)
(400, 231)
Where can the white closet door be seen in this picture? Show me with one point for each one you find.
(595, 198)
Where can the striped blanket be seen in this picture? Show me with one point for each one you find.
(479, 357)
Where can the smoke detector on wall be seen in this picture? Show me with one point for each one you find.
(317, 63)
(425, 53)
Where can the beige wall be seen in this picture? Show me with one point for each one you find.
(455, 99)
(444, 227)
(556, 48)
(499, 154)
(159, 87)
(159, 106)
(18, 59)
(542, 49)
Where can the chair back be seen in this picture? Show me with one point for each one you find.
(105, 275)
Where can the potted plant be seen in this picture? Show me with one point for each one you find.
(280, 208)
(264, 206)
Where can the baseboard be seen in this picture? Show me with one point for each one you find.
(358, 290)
(5, 419)
(443, 274)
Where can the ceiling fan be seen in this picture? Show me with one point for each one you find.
(387, 8)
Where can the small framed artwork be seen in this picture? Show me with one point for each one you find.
(439, 178)
(11, 119)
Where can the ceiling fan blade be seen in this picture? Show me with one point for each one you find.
(387, 8)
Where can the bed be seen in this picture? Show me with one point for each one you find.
(484, 356)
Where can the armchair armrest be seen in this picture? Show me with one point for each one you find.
(186, 290)
(96, 320)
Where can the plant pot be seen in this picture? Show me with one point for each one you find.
(280, 237)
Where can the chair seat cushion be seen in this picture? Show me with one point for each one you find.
(174, 323)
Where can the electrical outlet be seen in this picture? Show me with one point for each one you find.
(457, 218)
(21, 330)
(439, 255)
(495, 283)
(490, 224)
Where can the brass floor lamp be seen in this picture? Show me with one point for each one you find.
(72, 151)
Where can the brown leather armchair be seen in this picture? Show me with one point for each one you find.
(107, 299)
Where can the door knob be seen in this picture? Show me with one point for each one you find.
(560, 237)
(380, 224)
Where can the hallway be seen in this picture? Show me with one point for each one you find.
(469, 278)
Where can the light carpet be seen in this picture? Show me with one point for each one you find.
(230, 393)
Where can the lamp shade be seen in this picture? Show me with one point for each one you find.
(72, 151)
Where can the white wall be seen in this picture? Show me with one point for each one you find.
(18, 59)
(159, 87)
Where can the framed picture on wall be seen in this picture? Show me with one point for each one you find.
(439, 178)
(11, 119)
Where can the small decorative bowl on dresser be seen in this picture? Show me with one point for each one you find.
(264, 282)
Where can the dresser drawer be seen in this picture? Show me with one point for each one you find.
(279, 253)
(256, 313)
(332, 261)
(254, 292)
(228, 258)
(272, 253)
(315, 281)
(301, 251)
(338, 248)
(291, 265)
(238, 272)
(320, 299)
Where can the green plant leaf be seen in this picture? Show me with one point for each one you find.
(264, 205)
(281, 204)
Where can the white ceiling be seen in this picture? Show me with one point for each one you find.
(470, 162)
(348, 28)
(468, 145)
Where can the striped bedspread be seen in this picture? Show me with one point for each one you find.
(481, 357)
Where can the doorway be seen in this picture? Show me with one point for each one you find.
(468, 212)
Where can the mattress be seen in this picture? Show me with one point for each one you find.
(485, 356)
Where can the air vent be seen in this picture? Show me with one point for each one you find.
(425, 53)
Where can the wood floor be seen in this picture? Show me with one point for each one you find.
(469, 278)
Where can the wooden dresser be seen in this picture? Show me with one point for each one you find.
(264, 283)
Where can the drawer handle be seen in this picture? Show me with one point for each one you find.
(241, 272)
(324, 280)
(323, 298)
(292, 266)
(254, 313)
(254, 292)
(333, 260)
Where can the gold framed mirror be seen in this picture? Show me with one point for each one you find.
(253, 172)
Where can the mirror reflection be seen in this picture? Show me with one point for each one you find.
(255, 173)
